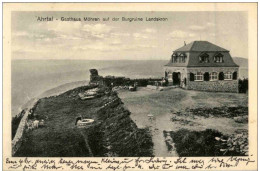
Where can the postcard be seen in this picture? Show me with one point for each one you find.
(129, 86)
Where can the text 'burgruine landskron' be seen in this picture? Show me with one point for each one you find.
(94, 19)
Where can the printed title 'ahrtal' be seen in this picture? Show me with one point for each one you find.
(129, 19)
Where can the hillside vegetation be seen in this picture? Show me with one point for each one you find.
(113, 132)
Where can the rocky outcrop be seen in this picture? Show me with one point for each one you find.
(95, 78)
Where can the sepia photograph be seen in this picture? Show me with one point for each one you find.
(91, 83)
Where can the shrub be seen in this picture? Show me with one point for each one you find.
(243, 85)
(205, 143)
(194, 143)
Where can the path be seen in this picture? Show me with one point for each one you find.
(159, 123)
(84, 133)
(162, 105)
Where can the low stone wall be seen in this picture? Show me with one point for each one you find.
(120, 81)
(17, 141)
(221, 86)
(123, 81)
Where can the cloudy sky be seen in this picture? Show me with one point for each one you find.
(122, 40)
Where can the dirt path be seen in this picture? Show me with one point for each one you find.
(163, 122)
(163, 104)
(159, 122)
(84, 134)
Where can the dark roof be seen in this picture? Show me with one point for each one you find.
(201, 46)
(194, 60)
(196, 48)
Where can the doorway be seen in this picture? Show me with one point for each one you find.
(176, 78)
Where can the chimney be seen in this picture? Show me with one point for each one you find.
(184, 43)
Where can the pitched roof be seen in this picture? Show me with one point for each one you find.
(194, 60)
(201, 46)
(196, 48)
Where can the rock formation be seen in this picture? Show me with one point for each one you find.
(95, 78)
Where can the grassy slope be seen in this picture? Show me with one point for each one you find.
(59, 114)
(60, 137)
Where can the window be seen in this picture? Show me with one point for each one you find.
(198, 76)
(228, 76)
(213, 76)
(180, 59)
(221, 76)
(234, 75)
(206, 76)
(204, 58)
(218, 58)
(191, 77)
(174, 57)
(183, 57)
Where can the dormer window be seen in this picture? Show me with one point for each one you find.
(174, 58)
(179, 58)
(218, 58)
(204, 58)
(182, 57)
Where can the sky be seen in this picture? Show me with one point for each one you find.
(124, 40)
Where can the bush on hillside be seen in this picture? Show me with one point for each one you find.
(201, 143)
(243, 85)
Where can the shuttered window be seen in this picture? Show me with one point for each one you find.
(235, 76)
(228, 76)
(221, 76)
(199, 76)
(206, 76)
(191, 77)
(213, 76)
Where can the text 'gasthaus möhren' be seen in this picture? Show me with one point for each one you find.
(93, 19)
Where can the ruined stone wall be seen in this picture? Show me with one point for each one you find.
(120, 81)
(17, 141)
(95, 78)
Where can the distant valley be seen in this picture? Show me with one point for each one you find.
(242, 62)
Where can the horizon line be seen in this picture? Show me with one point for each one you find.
(106, 59)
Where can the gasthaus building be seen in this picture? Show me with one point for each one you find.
(201, 65)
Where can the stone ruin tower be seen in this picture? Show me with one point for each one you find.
(95, 78)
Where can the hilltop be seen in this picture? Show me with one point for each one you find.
(242, 62)
(112, 134)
